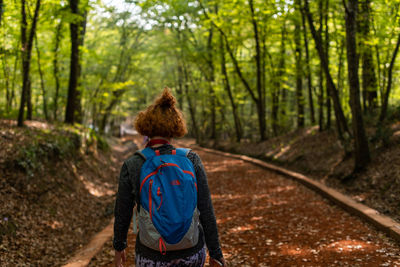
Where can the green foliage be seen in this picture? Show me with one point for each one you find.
(46, 145)
(133, 49)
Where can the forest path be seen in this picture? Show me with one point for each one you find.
(265, 219)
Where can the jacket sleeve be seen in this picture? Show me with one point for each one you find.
(204, 204)
(123, 210)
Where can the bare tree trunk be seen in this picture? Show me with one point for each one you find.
(12, 96)
(299, 68)
(260, 86)
(27, 43)
(73, 112)
(41, 80)
(57, 39)
(369, 81)
(6, 73)
(278, 89)
(308, 69)
(259, 100)
(192, 110)
(227, 87)
(340, 118)
(321, 118)
(211, 79)
(361, 150)
(389, 83)
(326, 46)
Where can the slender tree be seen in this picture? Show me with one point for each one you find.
(361, 150)
(299, 66)
(56, 71)
(27, 44)
(227, 87)
(389, 83)
(340, 118)
(369, 81)
(308, 69)
(73, 112)
(42, 85)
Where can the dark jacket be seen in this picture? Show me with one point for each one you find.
(127, 197)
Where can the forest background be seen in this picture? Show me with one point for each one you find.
(309, 85)
(241, 70)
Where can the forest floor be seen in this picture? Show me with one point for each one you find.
(320, 156)
(265, 219)
(57, 189)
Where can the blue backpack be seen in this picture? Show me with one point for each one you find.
(168, 214)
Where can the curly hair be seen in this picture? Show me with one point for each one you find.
(161, 118)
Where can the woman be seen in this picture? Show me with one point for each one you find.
(161, 122)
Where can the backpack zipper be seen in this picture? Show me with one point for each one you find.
(150, 200)
(160, 195)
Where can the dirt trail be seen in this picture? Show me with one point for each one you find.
(265, 219)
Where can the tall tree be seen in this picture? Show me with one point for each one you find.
(325, 16)
(42, 85)
(26, 53)
(386, 94)
(299, 66)
(308, 69)
(73, 112)
(369, 81)
(340, 118)
(227, 87)
(361, 150)
(56, 71)
(259, 97)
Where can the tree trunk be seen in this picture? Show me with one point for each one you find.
(389, 83)
(326, 46)
(361, 150)
(57, 39)
(192, 110)
(369, 81)
(6, 72)
(260, 99)
(12, 97)
(26, 43)
(228, 90)
(260, 86)
(73, 112)
(211, 79)
(308, 69)
(321, 96)
(278, 89)
(41, 81)
(340, 118)
(299, 68)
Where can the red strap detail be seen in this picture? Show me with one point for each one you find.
(147, 177)
(174, 152)
(155, 172)
(153, 142)
(189, 172)
(161, 245)
(158, 153)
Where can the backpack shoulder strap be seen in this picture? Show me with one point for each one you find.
(146, 153)
(183, 151)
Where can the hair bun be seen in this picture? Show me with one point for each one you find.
(166, 100)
